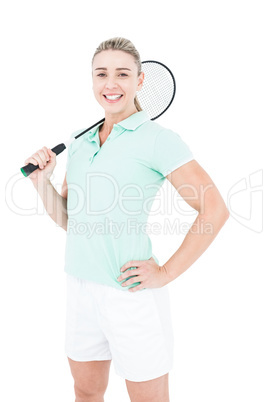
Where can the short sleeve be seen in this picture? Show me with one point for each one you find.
(170, 152)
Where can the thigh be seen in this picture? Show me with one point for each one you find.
(149, 391)
(90, 378)
(84, 338)
(139, 330)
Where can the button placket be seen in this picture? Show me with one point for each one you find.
(116, 131)
(94, 153)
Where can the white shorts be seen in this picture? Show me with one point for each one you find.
(133, 329)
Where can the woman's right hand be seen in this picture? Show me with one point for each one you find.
(46, 159)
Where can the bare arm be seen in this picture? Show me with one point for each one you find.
(198, 190)
(54, 203)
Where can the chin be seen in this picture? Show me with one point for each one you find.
(114, 109)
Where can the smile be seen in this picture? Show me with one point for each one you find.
(112, 98)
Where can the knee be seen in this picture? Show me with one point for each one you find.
(87, 393)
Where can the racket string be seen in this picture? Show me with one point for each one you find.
(158, 89)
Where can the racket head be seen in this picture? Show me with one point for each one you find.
(158, 89)
(157, 92)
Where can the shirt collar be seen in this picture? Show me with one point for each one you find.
(91, 134)
(130, 123)
(134, 121)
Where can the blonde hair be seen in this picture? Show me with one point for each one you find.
(127, 46)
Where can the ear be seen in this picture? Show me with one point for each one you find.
(140, 81)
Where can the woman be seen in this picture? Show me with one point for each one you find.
(113, 173)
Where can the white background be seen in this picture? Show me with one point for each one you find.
(217, 51)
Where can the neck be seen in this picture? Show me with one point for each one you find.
(113, 118)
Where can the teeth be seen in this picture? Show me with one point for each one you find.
(113, 97)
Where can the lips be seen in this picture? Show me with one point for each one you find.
(113, 98)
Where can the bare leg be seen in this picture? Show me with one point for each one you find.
(90, 379)
(156, 390)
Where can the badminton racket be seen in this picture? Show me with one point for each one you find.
(155, 97)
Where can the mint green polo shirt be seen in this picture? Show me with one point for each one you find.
(110, 193)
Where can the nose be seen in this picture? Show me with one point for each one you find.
(111, 83)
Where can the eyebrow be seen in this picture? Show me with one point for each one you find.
(104, 68)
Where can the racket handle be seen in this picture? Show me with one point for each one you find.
(28, 169)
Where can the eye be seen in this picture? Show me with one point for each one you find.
(100, 75)
(123, 74)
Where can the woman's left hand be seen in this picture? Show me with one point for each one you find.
(148, 272)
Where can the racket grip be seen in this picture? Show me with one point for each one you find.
(28, 169)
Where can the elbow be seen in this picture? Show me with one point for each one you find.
(224, 212)
(64, 222)
(65, 226)
(223, 217)
(215, 219)
(219, 212)
(227, 214)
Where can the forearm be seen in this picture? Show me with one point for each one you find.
(201, 234)
(54, 203)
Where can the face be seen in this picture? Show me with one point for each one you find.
(116, 81)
